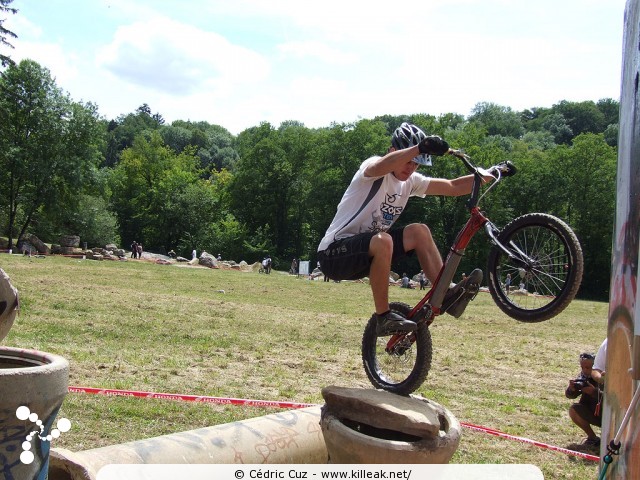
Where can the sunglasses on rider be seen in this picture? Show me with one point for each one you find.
(587, 356)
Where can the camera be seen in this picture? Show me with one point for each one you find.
(580, 382)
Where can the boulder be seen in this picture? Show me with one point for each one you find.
(208, 260)
(69, 241)
(30, 240)
(94, 254)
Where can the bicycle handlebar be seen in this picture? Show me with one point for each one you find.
(503, 169)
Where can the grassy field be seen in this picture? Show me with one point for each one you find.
(163, 328)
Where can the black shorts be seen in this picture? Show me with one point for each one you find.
(587, 413)
(348, 258)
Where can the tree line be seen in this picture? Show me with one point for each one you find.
(65, 169)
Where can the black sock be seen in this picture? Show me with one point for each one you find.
(383, 314)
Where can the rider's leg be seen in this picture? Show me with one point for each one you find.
(458, 297)
(368, 254)
(417, 237)
(380, 251)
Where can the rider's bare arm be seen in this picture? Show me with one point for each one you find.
(451, 188)
(393, 160)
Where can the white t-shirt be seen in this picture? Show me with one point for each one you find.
(600, 361)
(372, 204)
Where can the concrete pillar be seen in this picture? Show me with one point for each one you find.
(292, 436)
(623, 350)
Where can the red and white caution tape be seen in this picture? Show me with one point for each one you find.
(497, 433)
(277, 404)
(189, 398)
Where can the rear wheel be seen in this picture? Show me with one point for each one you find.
(398, 363)
(544, 269)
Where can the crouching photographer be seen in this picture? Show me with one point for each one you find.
(586, 412)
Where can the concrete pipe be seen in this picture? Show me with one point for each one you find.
(293, 436)
(378, 427)
(32, 388)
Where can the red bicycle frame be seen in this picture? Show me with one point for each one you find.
(450, 266)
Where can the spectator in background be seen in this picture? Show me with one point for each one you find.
(586, 412)
(422, 279)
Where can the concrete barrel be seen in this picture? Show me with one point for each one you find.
(32, 388)
(378, 427)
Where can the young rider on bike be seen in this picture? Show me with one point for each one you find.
(358, 242)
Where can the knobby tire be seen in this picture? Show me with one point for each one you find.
(552, 278)
(403, 371)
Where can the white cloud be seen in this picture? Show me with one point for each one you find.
(179, 59)
(18, 23)
(239, 63)
(62, 64)
(317, 50)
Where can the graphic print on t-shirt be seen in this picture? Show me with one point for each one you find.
(383, 218)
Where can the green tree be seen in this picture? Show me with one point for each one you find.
(610, 108)
(214, 144)
(265, 174)
(589, 167)
(123, 131)
(50, 146)
(497, 120)
(557, 125)
(5, 60)
(157, 194)
(582, 117)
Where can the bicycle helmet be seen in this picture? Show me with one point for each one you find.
(407, 135)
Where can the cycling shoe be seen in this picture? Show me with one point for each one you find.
(392, 322)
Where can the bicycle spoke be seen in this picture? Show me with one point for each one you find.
(537, 283)
(396, 365)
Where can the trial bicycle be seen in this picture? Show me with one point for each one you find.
(539, 251)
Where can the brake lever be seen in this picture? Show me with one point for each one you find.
(458, 153)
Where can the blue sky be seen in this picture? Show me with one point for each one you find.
(238, 63)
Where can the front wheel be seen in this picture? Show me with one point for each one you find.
(543, 271)
(398, 363)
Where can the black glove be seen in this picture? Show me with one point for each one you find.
(433, 145)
